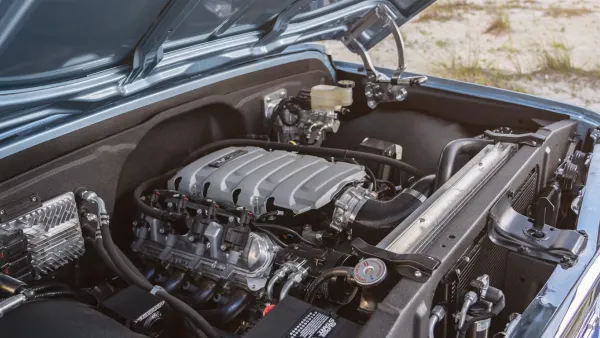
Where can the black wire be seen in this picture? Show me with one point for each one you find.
(274, 237)
(285, 229)
(369, 172)
(389, 184)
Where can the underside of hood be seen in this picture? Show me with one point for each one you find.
(49, 41)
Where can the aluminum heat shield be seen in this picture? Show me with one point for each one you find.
(250, 176)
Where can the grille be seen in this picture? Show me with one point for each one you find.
(524, 196)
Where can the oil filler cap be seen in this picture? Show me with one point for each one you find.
(369, 272)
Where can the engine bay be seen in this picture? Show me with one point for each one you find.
(320, 221)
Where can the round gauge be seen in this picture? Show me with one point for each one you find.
(370, 272)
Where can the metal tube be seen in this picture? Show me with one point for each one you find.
(437, 314)
(11, 303)
(286, 288)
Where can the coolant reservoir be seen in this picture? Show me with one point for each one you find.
(331, 98)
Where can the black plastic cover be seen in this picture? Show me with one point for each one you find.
(293, 318)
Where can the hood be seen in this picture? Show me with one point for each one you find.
(48, 41)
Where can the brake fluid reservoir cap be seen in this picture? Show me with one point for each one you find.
(369, 272)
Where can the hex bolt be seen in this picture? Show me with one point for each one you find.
(34, 199)
(2, 212)
(418, 274)
(223, 247)
(161, 230)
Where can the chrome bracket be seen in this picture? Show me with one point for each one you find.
(515, 232)
(271, 100)
(380, 88)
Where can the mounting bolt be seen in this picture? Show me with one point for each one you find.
(523, 249)
(283, 93)
(34, 199)
(418, 274)
(231, 219)
(134, 223)
(91, 217)
(191, 238)
(268, 99)
(170, 204)
(161, 230)
(223, 247)
(2, 212)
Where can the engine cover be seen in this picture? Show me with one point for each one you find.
(251, 176)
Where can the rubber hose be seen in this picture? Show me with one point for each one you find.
(54, 286)
(98, 246)
(151, 211)
(450, 154)
(316, 151)
(284, 228)
(377, 218)
(236, 304)
(54, 294)
(134, 277)
(338, 271)
(424, 185)
(274, 238)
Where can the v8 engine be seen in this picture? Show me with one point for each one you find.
(222, 194)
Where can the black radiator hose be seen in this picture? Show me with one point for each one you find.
(376, 218)
(450, 153)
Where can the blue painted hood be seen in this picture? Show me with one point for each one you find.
(49, 41)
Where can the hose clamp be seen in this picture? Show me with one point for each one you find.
(415, 193)
(156, 289)
(347, 207)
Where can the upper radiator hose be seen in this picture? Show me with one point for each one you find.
(376, 218)
(448, 159)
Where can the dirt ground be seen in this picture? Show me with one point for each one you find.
(547, 48)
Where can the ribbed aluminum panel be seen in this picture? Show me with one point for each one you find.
(53, 233)
(250, 176)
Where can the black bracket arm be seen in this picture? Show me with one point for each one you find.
(516, 232)
(417, 267)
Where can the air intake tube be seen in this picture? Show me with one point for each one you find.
(376, 219)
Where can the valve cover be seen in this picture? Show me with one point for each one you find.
(251, 176)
